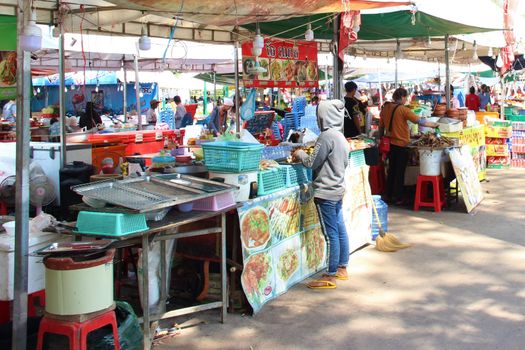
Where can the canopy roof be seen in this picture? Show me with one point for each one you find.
(217, 12)
(8, 30)
(392, 25)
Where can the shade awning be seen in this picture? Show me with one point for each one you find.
(219, 13)
(391, 25)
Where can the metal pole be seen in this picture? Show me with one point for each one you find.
(214, 86)
(137, 91)
(23, 78)
(447, 73)
(237, 97)
(335, 42)
(62, 98)
(125, 93)
(327, 81)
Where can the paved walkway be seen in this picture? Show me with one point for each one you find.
(462, 286)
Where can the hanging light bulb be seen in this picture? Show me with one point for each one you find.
(475, 54)
(144, 40)
(38, 90)
(429, 41)
(73, 87)
(56, 31)
(96, 88)
(413, 11)
(309, 34)
(141, 94)
(34, 92)
(65, 88)
(490, 53)
(499, 61)
(258, 43)
(31, 37)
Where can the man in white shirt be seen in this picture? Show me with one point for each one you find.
(151, 115)
(9, 111)
(180, 111)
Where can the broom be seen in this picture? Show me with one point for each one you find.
(387, 242)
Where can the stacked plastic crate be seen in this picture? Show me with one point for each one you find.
(292, 121)
(518, 144)
(309, 120)
(498, 136)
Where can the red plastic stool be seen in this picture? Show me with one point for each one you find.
(376, 177)
(424, 199)
(77, 332)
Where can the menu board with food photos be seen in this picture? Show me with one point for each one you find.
(287, 64)
(282, 244)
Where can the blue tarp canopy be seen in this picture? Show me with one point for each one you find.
(77, 78)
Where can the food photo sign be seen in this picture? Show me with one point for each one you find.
(282, 244)
(467, 176)
(7, 75)
(287, 64)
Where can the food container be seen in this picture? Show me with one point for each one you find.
(241, 180)
(79, 284)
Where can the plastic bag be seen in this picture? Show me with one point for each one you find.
(41, 222)
(129, 331)
(247, 109)
(228, 135)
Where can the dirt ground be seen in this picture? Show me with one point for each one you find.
(461, 286)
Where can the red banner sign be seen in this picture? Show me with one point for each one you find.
(287, 65)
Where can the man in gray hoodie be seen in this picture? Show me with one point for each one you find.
(328, 161)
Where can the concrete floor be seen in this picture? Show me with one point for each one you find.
(462, 286)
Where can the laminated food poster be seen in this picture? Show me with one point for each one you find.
(282, 244)
(467, 176)
(286, 64)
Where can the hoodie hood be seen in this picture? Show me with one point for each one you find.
(330, 114)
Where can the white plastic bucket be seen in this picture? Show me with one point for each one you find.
(430, 162)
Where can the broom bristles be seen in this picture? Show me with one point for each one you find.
(393, 241)
(383, 246)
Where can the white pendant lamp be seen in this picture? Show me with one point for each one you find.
(31, 37)
(144, 41)
(309, 34)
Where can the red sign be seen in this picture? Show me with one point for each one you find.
(287, 65)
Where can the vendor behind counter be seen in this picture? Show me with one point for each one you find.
(393, 124)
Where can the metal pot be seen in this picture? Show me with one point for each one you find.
(194, 170)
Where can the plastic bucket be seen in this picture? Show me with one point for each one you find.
(382, 216)
(430, 162)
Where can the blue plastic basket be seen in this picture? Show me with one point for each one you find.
(299, 104)
(269, 181)
(295, 174)
(232, 157)
(110, 224)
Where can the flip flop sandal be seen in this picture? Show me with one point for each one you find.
(341, 277)
(321, 284)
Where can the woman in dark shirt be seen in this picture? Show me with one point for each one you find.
(90, 118)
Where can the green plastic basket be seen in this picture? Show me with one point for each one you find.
(232, 157)
(516, 117)
(269, 181)
(110, 224)
(356, 159)
(295, 174)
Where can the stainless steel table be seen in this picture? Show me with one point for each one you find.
(161, 231)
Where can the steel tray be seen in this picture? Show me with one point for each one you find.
(148, 193)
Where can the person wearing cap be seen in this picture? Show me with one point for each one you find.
(151, 115)
(218, 117)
